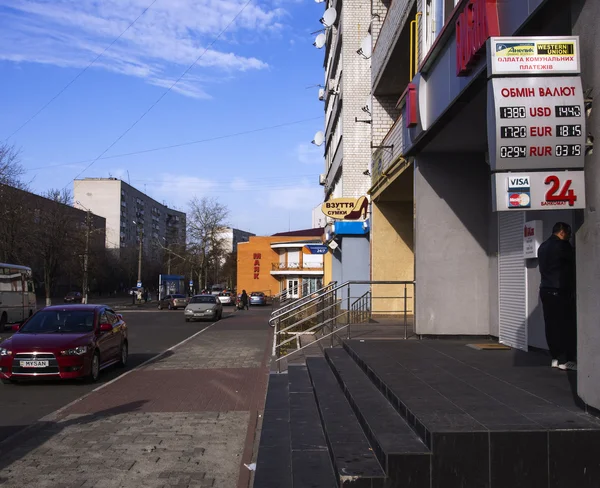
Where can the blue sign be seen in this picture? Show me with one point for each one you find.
(191, 283)
(139, 284)
(316, 249)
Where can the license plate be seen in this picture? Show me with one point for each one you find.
(34, 364)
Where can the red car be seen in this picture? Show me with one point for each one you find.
(64, 342)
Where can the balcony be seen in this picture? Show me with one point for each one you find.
(385, 157)
(389, 36)
(297, 268)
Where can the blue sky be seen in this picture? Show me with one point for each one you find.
(254, 76)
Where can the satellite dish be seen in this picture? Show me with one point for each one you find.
(365, 47)
(319, 139)
(320, 41)
(329, 17)
(321, 93)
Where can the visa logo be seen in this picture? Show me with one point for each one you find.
(518, 182)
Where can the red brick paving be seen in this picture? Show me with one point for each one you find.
(185, 390)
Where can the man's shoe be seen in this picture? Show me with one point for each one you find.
(555, 363)
(569, 365)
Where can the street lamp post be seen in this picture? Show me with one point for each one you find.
(88, 225)
(86, 257)
(139, 277)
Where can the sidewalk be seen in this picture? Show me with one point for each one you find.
(186, 419)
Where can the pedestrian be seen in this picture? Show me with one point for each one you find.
(557, 292)
(245, 300)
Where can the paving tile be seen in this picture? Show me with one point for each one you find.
(197, 390)
(210, 449)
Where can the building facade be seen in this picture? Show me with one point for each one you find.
(348, 122)
(292, 262)
(129, 212)
(318, 218)
(230, 238)
(433, 189)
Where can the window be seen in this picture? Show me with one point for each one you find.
(203, 299)
(59, 321)
(112, 318)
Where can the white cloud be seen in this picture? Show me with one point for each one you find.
(177, 191)
(301, 197)
(167, 38)
(239, 184)
(309, 154)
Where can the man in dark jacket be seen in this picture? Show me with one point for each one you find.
(245, 300)
(557, 292)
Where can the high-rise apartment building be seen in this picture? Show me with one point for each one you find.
(129, 212)
(231, 237)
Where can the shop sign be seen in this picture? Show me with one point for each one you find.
(538, 190)
(474, 26)
(256, 257)
(536, 123)
(533, 55)
(346, 208)
(533, 232)
(314, 249)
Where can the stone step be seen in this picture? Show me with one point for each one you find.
(274, 462)
(311, 462)
(403, 455)
(354, 461)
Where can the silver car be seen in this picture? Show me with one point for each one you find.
(202, 307)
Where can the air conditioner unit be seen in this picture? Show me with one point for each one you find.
(322, 179)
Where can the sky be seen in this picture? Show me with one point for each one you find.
(255, 63)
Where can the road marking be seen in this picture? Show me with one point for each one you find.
(51, 417)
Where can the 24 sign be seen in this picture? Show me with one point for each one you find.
(557, 194)
(538, 190)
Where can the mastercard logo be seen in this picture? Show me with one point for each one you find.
(519, 200)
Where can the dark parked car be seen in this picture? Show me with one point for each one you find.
(258, 298)
(173, 302)
(65, 341)
(73, 297)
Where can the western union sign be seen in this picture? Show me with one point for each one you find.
(556, 49)
(533, 55)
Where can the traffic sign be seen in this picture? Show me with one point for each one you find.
(139, 284)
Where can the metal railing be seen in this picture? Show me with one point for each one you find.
(296, 267)
(293, 304)
(333, 310)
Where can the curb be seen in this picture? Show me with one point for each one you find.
(55, 416)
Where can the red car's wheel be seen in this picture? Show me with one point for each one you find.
(94, 368)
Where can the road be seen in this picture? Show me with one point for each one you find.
(150, 332)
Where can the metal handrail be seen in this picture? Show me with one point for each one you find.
(301, 301)
(360, 305)
(306, 319)
(338, 287)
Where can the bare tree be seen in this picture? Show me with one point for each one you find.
(11, 170)
(206, 221)
(13, 208)
(57, 236)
